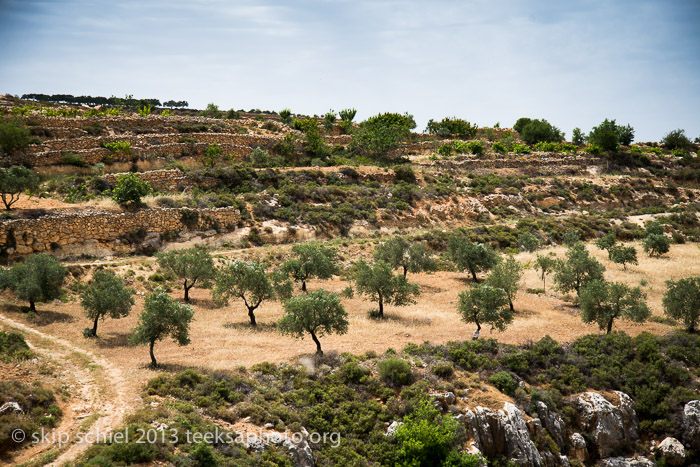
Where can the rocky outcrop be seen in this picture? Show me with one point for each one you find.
(11, 407)
(672, 451)
(503, 433)
(552, 422)
(625, 462)
(691, 424)
(612, 426)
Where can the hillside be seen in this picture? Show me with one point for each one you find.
(540, 386)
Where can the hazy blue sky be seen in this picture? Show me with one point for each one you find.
(571, 62)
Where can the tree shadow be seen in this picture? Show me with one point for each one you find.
(402, 319)
(41, 318)
(245, 326)
(467, 280)
(205, 303)
(112, 340)
(174, 368)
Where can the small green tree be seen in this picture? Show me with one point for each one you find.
(190, 265)
(15, 181)
(605, 136)
(245, 280)
(162, 317)
(452, 127)
(625, 134)
(607, 243)
(577, 269)
(380, 135)
(379, 283)
(677, 139)
(571, 237)
(13, 136)
(104, 296)
(260, 158)
(469, 256)
(603, 302)
(528, 242)
(129, 189)
(506, 275)
(545, 264)
(427, 438)
(578, 137)
(346, 118)
(312, 260)
(536, 131)
(316, 313)
(656, 244)
(286, 116)
(329, 120)
(212, 154)
(483, 304)
(682, 301)
(37, 279)
(398, 252)
(623, 255)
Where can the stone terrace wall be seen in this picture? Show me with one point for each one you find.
(112, 229)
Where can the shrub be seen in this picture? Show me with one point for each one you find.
(74, 159)
(443, 369)
(677, 139)
(13, 137)
(520, 149)
(535, 131)
(212, 154)
(504, 382)
(129, 189)
(499, 147)
(395, 372)
(605, 136)
(233, 114)
(13, 347)
(452, 127)
(211, 111)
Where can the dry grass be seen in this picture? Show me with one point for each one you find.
(223, 339)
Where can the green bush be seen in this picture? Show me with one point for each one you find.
(13, 137)
(504, 382)
(443, 369)
(395, 372)
(499, 147)
(13, 347)
(129, 189)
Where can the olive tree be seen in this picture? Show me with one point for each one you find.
(623, 255)
(655, 242)
(413, 257)
(190, 265)
(469, 256)
(378, 282)
(545, 264)
(37, 279)
(578, 268)
(162, 317)
(483, 304)
(682, 301)
(602, 302)
(506, 275)
(15, 181)
(317, 313)
(250, 282)
(607, 243)
(311, 260)
(104, 296)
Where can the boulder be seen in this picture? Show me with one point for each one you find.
(11, 407)
(612, 426)
(691, 424)
(578, 447)
(503, 433)
(391, 431)
(672, 451)
(552, 422)
(625, 462)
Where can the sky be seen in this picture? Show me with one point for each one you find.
(573, 63)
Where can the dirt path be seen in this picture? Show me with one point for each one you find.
(100, 396)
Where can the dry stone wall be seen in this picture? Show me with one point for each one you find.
(116, 231)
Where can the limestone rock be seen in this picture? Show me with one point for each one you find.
(614, 427)
(552, 422)
(625, 462)
(11, 407)
(672, 451)
(391, 431)
(578, 447)
(503, 433)
(691, 424)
